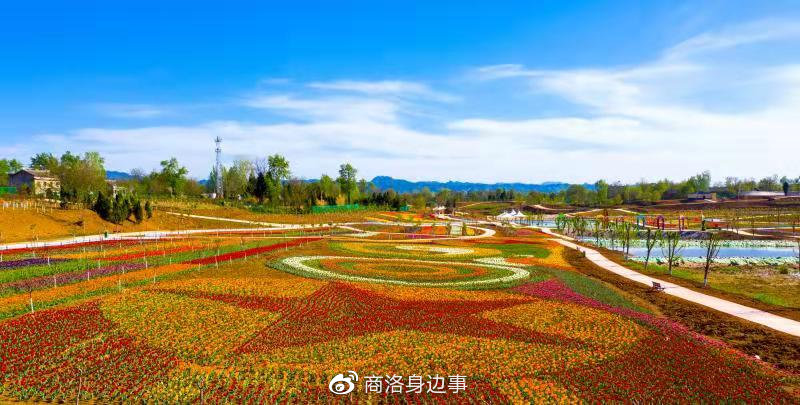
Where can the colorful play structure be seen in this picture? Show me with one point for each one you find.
(680, 223)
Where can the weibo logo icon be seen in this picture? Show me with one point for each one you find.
(341, 385)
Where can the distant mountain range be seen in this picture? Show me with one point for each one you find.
(114, 175)
(405, 186)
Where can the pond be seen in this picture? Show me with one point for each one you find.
(724, 252)
(728, 249)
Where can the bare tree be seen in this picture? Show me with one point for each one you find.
(651, 238)
(797, 251)
(670, 245)
(580, 226)
(712, 249)
(612, 234)
(261, 165)
(625, 236)
(597, 226)
(736, 219)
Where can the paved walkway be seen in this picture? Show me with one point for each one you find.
(767, 319)
(124, 236)
(265, 226)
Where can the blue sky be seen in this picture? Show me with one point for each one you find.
(527, 91)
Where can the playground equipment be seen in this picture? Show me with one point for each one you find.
(661, 223)
(641, 221)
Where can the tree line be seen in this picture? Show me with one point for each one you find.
(268, 183)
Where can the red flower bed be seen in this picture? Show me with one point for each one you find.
(29, 340)
(340, 310)
(49, 354)
(250, 252)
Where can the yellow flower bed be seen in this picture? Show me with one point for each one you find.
(431, 294)
(199, 330)
(248, 286)
(145, 246)
(555, 259)
(410, 352)
(415, 250)
(612, 332)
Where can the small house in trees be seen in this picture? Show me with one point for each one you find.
(760, 194)
(702, 195)
(114, 188)
(39, 182)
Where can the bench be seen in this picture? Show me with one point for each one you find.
(657, 286)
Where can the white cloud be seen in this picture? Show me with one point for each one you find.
(123, 110)
(674, 116)
(739, 35)
(274, 81)
(330, 108)
(385, 87)
(684, 112)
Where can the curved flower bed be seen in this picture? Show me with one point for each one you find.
(413, 251)
(403, 271)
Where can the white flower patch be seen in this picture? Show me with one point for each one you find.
(449, 251)
(365, 234)
(298, 263)
(498, 261)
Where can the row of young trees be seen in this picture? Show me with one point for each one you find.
(623, 234)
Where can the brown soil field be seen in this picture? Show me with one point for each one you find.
(18, 225)
(213, 210)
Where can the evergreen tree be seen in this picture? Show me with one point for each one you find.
(148, 208)
(138, 211)
(261, 188)
(121, 209)
(103, 206)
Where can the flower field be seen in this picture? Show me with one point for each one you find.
(273, 317)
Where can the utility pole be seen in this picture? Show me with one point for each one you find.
(218, 180)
